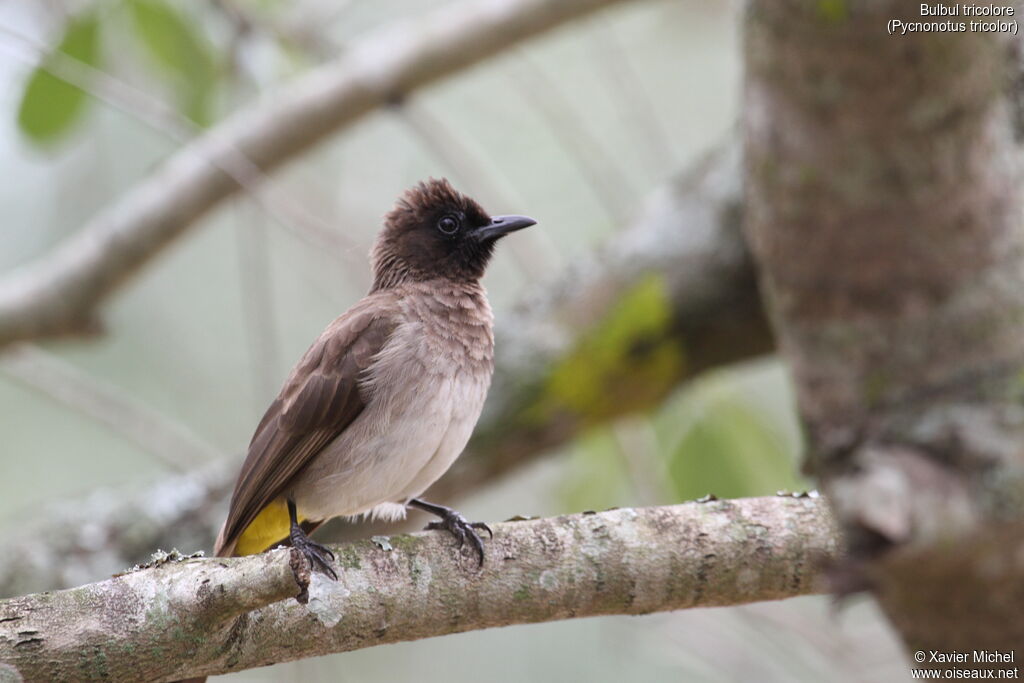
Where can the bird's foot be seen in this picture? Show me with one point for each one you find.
(458, 525)
(462, 530)
(317, 555)
(306, 555)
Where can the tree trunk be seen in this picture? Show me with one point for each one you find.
(884, 214)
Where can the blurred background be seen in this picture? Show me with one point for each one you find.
(576, 128)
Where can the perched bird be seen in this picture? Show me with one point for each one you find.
(386, 398)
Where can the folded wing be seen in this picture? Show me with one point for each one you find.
(321, 397)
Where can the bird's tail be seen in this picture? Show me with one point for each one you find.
(270, 528)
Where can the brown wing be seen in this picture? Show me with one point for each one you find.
(319, 400)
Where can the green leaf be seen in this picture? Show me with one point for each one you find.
(730, 450)
(598, 477)
(49, 106)
(179, 50)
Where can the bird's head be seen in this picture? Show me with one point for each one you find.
(434, 231)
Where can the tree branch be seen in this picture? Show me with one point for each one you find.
(204, 617)
(59, 294)
(683, 264)
(150, 430)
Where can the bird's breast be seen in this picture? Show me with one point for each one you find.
(424, 394)
(436, 367)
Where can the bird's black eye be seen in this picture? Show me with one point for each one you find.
(448, 224)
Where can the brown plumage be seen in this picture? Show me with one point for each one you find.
(319, 399)
(386, 398)
(405, 251)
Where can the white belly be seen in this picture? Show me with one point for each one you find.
(412, 430)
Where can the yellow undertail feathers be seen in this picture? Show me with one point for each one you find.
(270, 526)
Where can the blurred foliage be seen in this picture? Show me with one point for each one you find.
(178, 53)
(597, 477)
(181, 53)
(731, 434)
(608, 357)
(731, 451)
(50, 106)
(734, 433)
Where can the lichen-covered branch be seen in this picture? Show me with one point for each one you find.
(210, 616)
(60, 293)
(669, 297)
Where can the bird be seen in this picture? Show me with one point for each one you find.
(386, 398)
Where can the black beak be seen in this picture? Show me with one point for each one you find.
(503, 225)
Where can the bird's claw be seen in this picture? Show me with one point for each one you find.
(462, 529)
(318, 556)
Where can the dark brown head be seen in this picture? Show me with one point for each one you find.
(434, 232)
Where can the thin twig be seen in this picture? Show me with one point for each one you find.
(611, 187)
(256, 275)
(306, 35)
(153, 432)
(625, 85)
(165, 120)
(639, 448)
